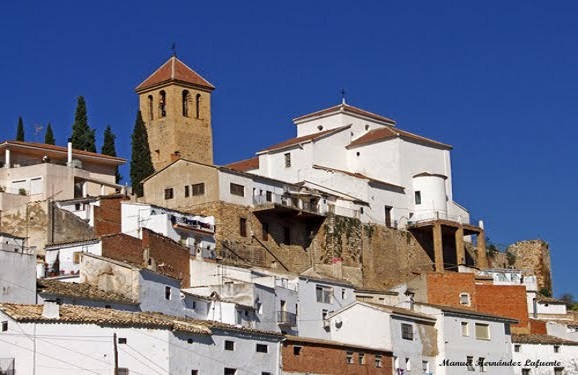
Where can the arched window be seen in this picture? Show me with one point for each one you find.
(197, 105)
(186, 98)
(151, 110)
(163, 103)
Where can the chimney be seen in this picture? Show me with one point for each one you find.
(69, 159)
(51, 309)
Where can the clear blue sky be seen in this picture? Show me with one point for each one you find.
(497, 80)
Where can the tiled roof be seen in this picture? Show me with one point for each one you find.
(304, 139)
(358, 175)
(101, 316)
(300, 339)
(174, 70)
(556, 301)
(345, 108)
(244, 165)
(388, 132)
(80, 291)
(59, 150)
(541, 339)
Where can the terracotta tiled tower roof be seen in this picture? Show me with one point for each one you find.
(174, 70)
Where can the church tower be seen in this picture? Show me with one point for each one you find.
(175, 103)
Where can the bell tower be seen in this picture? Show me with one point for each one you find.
(175, 103)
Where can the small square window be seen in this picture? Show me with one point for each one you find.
(265, 373)
(169, 193)
(287, 159)
(122, 340)
(123, 371)
(525, 371)
(168, 293)
(186, 191)
(297, 350)
(194, 372)
(230, 371)
(378, 360)
(361, 358)
(190, 341)
(425, 367)
(269, 196)
(517, 348)
(198, 189)
(229, 345)
(262, 348)
(236, 189)
(406, 331)
(349, 358)
(465, 329)
(4, 326)
(482, 331)
(465, 299)
(556, 348)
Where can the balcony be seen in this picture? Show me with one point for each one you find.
(429, 217)
(287, 203)
(285, 318)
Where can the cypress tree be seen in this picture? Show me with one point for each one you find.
(49, 136)
(141, 165)
(108, 148)
(82, 135)
(20, 130)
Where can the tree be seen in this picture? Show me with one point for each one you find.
(20, 130)
(49, 136)
(83, 137)
(141, 165)
(108, 148)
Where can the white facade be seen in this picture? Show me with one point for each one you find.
(17, 270)
(467, 339)
(64, 259)
(535, 358)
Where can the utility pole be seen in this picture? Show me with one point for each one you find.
(115, 354)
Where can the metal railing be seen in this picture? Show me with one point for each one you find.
(286, 318)
(288, 201)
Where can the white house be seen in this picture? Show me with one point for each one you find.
(544, 354)
(470, 341)
(17, 270)
(391, 176)
(48, 339)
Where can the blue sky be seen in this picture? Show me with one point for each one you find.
(497, 80)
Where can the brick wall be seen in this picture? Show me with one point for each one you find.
(331, 359)
(445, 289)
(170, 258)
(123, 248)
(504, 300)
(107, 216)
(538, 327)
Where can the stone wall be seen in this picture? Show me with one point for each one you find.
(534, 255)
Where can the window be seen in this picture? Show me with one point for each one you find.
(465, 329)
(122, 340)
(169, 193)
(324, 313)
(286, 236)
(123, 371)
(168, 293)
(418, 197)
(198, 189)
(361, 359)
(297, 350)
(525, 371)
(151, 111)
(482, 365)
(558, 370)
(237, 189)
(194, 372)
(243, 227)
(556, 348)
(378, 360)
(349, 358)
(465, 299)
(265, 232)
(287, 160)
(76, 256)
(517, 348)
(197, 105)
(407, 364)
(262, 348)
(269, 196)
(190, 341)
(323, 294)
(425, 367)
(482, 331)
(229, 345)
(4, 326)
(265, 373)
(470, 363)
(406, 331)
(343, 293)
(162, 103)
(186, 191)
(395, 362)
(186, 98)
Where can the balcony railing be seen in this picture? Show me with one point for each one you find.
(286, 318)
(288, 201)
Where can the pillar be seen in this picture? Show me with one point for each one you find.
(7, 160)
(482, 258)
(438, 247)
(460, 251)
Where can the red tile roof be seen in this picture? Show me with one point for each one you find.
(244, 165)
(389, 132)
(174, 70)
(541, 339)
(304, 139)
(345, 108)
(59, 150)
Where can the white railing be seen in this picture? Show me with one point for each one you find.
(288, 201)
